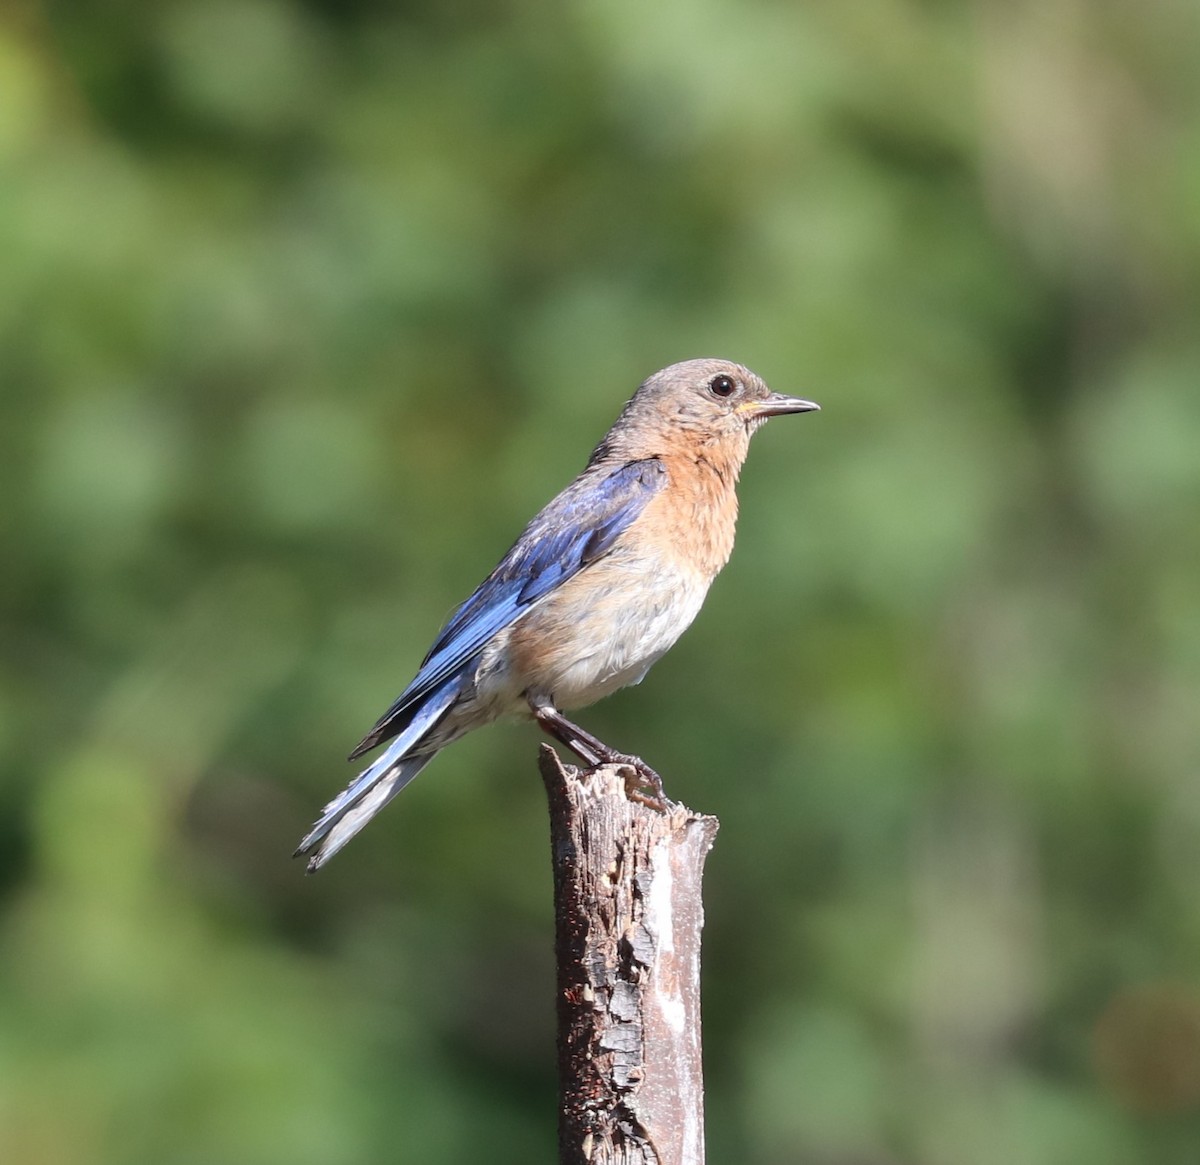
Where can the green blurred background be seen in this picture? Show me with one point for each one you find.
(308, 306)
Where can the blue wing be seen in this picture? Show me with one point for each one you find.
(576, 528)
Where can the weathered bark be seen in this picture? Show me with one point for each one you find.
(628, 917)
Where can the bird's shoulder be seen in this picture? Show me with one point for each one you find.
(582, 522)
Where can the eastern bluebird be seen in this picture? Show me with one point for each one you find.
(598, 587)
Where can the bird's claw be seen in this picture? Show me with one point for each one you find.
(639, 776)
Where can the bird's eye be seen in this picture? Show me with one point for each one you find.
(722, 386)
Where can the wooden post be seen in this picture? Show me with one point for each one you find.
(628, 915)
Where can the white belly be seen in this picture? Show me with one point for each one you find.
(601, 631)
(620, 648)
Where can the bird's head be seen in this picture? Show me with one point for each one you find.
(714, 404)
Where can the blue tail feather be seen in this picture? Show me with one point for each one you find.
(380, 781)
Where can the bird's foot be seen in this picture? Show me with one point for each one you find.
(639, 777)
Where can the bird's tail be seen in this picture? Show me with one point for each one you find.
(378, 783)
(344, 816)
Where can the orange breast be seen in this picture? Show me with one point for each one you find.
(696, 516)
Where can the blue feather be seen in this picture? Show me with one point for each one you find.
(423, 720)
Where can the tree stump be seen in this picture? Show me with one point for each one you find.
(628, 915)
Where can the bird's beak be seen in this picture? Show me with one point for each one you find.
(776, 405)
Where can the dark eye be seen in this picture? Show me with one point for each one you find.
(722, 386)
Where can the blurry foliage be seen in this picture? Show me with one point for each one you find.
(306, 308)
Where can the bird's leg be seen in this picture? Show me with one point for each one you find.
(594, 751)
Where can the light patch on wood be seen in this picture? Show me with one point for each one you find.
(659, 916)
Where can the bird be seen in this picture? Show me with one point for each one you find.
(597, 588)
